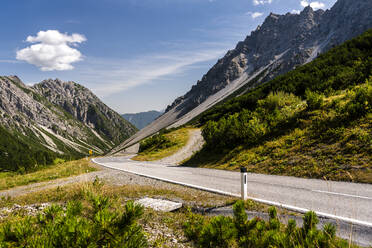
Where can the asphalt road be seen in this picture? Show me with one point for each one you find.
(341, 201)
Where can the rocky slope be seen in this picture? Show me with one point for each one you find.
(142, 119)
(280, 44)
(83, 105)
(62, 117)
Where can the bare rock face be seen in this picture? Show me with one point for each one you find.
(63, 117)
(82, 104)
(280, 44)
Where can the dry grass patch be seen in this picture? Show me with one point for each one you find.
(125, 192)
(65, 169)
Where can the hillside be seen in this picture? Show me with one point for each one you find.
(142, 119)
(54, 119)
(314, 121)
(279, 45)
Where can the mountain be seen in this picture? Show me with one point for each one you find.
(314, 121)
(54, 119)
(142, 119)
(279, 45)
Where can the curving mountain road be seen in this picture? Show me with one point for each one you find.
(341, 201)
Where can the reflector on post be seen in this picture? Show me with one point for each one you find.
(244, 189)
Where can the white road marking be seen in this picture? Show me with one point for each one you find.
(277, 204)
(342, 194)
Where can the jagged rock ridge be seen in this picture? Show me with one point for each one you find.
(280, 44)
(64, 117)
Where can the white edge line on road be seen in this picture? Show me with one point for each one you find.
(277, 204)
(347, 195)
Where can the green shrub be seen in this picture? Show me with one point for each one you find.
(361, 100)
(58, 161)
(313, 100)
(219, 232)
(249, 127)
(278, 100)
(240, 232)
(97, 225)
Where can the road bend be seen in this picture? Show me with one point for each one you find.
(342, 201)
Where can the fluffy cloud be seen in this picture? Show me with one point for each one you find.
(295, 11)
(256, 14)
(53, 51)
(258, 2)
(315, 5)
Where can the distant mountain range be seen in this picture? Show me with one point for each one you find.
(54, 119)
(279, 45)
(142, 119)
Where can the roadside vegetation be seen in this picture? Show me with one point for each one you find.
(163, 144)
(89, 223)
(238, 231)
(73, 210)
(102, 215)
(60, 169)
(312, 122)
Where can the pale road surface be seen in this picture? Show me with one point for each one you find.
(342, 199)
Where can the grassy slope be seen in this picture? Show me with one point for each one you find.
(345, 157)
(66, 169)
(177, 139)
(340, 150)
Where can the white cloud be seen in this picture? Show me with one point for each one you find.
(315, 5)
(256, 14)
(295, 11)
(53, 50)
(259, 2)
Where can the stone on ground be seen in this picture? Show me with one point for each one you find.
(159, 205)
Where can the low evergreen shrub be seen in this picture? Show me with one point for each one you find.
(238, 231)
(97, 224)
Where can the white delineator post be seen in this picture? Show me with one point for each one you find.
(243, 180)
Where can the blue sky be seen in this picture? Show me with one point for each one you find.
(136, 55)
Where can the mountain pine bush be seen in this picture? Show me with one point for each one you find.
(77, 225)
(249, 127)
(238, 231)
